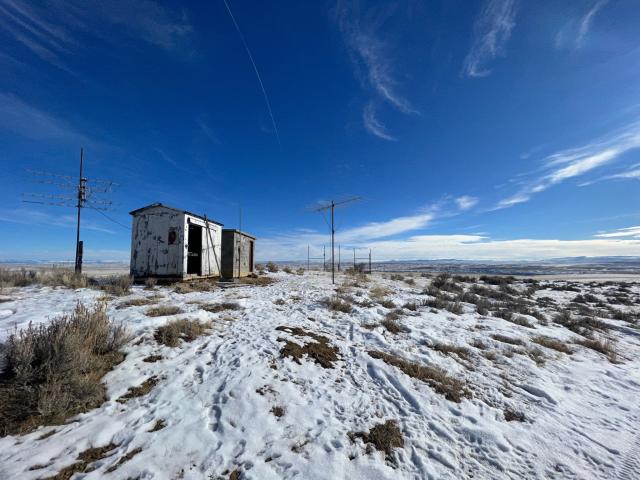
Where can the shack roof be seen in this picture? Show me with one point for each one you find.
(235, 230)
(158, 204)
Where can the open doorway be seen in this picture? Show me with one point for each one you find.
(194, 250)
(251, 247)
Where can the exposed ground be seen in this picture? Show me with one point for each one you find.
(410, 377)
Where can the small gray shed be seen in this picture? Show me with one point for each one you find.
(238, 253)
(168, 242)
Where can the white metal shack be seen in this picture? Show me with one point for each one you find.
(167, 242)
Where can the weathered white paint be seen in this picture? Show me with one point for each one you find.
(154, 255)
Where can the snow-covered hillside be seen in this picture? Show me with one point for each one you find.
(474, 396)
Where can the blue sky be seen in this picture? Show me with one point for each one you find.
(497, 129)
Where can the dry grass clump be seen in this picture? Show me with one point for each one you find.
(183, 329)
(505, 339)
(397, 277)
(135, 302)
(479, 344)
(320, 350)
(512, 415)
(606, 346)
(384, 437)
(337, 304)
(124, 459)
(83, 462)
(159, 425)
(220, 307)
(378, 292)
(194, 286)
(53, 371)
(257, 281)
(584, 326)
(452, 388)
(553, 344)
(162, 311)
(117, 285)
(272, 267)
(139, 391)
(446, 348)
(386, 303)
(288, 270)
(391, 324)
(54, 277)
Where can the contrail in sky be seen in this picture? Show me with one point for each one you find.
(255, 69)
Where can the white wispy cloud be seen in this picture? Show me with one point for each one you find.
(468, 247)
(492, 31)
(27, 216)
(632, 173)
(621, 232)
(466, 202)
(371, 58)
(29, 121)
(587, 20)
(52, 31)
(373, 125)
(575, 162)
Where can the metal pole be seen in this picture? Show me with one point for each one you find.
(333, 249)
(78, 268)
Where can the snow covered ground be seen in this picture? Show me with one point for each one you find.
(216, 395)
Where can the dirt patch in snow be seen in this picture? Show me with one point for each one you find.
(142, 389)
(320, 350)
(85, 459)
(384, 437)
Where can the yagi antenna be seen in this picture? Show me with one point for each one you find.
(332, 206)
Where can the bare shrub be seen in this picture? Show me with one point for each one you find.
(54, 277)
(150, 283)
(412, 306)
(497, 279)
(452, 388)
(288, 270)
(384, 437)
(162, 311)
(410, 281)
(397, 277)
(377, 293)
(183, 329)
(553, 344)
(582, 326)
(53, 371)
(117, 285)
(300, 271)
(278, 411)
(272, 267)
(337, 304)
(194, 286)
(391, 324)
(479, 344)
(386, 303)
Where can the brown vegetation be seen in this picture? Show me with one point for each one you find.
(320, 350)
(182, 329)
(337, 304)
(384, 437)
(140, 390)
(84, 459)
(452, 388)
(53, 371)
(162, 311)
(553, 344)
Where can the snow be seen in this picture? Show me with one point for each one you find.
(215, 393)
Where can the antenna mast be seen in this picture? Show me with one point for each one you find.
(332, 206)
